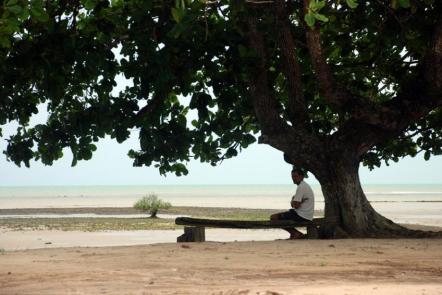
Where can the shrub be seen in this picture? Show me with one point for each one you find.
(151, 204)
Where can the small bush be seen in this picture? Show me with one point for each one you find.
(151, 204)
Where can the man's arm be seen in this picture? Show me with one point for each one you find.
(296, 204)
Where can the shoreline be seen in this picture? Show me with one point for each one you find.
(128, 219)
(127, 228)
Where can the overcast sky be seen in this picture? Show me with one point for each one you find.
(258, 164)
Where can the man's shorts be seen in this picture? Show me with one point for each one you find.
(291, 215)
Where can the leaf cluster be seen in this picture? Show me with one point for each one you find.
(187, 66)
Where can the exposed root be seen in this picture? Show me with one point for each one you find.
(382, 229)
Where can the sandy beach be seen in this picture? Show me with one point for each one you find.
(101, 250)
(273, 267)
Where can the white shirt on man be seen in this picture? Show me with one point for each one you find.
(304, 195)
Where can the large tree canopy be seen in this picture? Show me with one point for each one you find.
(331, 84)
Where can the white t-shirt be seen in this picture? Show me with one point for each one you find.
(305, 192)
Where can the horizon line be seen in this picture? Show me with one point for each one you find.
(203, 184)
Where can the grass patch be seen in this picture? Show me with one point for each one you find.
(106, 224)
(87, 224)
(223, 213)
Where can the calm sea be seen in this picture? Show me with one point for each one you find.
(402, 203)
(247, 196)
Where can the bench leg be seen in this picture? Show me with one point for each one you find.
(192, 234)
(312, 232)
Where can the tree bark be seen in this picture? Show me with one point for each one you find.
(153, 214)
(346, 202)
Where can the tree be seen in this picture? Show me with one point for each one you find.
(331, 84)
(151, 204)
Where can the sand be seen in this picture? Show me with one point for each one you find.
(273, 267)
(151, 262)
(11, 240)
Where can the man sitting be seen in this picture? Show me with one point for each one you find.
(302, 203)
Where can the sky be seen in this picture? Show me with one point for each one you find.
(258, 164)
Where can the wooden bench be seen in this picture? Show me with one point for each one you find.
(194, 228)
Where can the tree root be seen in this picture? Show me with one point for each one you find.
(385, 230)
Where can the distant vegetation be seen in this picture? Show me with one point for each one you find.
(151, 204)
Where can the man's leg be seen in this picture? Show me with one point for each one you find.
(294, 233)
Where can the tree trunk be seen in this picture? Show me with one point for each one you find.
(346, 201)
(153, 214)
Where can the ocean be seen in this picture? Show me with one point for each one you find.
(407, 203)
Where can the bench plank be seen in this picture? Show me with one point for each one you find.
(245, 224)
(195, 227)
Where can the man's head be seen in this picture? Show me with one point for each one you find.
(297, 175)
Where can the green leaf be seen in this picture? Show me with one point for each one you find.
(231, 152)
(310, 19)
(15, 9)
(316, 5)
(89, 4)
(242, 50)
(176, 30)
(24, 15)
(352, 3)
(117, 3)
(38, 13)
(5, 42)
(11, 2)
(404, 3)
(74, 161)
(178, 14)
(182, 121)
(321, 17)
(180, 169)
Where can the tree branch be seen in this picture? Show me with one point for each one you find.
(433, 60)
(148, 112)
(297, 109)
(334, 93)
(389, 120)
(422, 96)
(328, 88)
(264, 103)
(296, 142)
